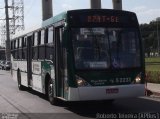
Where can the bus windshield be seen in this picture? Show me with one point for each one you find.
(104, 48)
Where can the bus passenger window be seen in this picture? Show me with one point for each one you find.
(46, 36)
(20, 53)
(39, 37)
(35, 39)
(35, 53)
(50, 35)
(35, 47)
(50, 44)
(42, 36)
(41, 52)
(20, 42)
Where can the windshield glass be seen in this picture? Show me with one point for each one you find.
(102, 48)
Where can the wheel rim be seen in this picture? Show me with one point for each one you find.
(50, 89)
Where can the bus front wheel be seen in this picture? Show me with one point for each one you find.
(50, 92)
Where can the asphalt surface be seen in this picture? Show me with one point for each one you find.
(31, 105)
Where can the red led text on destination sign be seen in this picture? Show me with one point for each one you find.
(99, 19)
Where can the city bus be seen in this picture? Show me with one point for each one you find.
(82, 55)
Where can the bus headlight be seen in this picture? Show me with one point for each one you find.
(137, 80)
(81, 82)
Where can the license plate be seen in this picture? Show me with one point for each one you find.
(112, 90)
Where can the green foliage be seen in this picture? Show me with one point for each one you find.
(153, 69)
(153, 76)
(149, 35)
(152, 60)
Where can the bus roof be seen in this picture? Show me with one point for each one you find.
(54, 19)
(29, 30)
(44, 24)
(63, 16)
(109, 10)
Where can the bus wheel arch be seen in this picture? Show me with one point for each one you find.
(49, 89)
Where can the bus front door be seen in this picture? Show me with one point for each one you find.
(61, 63)
(29, 59)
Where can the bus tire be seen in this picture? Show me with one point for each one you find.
(50, 92)
(20, 86)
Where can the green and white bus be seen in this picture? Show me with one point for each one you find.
(80, 55)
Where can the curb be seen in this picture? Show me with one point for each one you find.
(150, 93)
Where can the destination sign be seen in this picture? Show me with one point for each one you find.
(102, 19)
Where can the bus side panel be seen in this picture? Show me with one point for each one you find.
(15, 65)
(14, 70)
(24, 80)
(22, 66)
(37, 83)
(36, 67)
(36, 76)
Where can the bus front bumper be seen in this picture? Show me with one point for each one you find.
(105, 92)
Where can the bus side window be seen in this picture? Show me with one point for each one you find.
(41, 46)
(38, 43)
(39, 37)
(20, 42)
(50, 44)
(13, 48)
(16, 49)
(20, 48)
(24, 54)
(16, 43)
(50, 35)
(33, 40)
(35, 47)
(42, 36)
(46, 35)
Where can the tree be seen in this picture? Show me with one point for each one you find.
(149, 34)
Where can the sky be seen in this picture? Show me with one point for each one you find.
(146, 10)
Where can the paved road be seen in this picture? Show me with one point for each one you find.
(31, 104)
